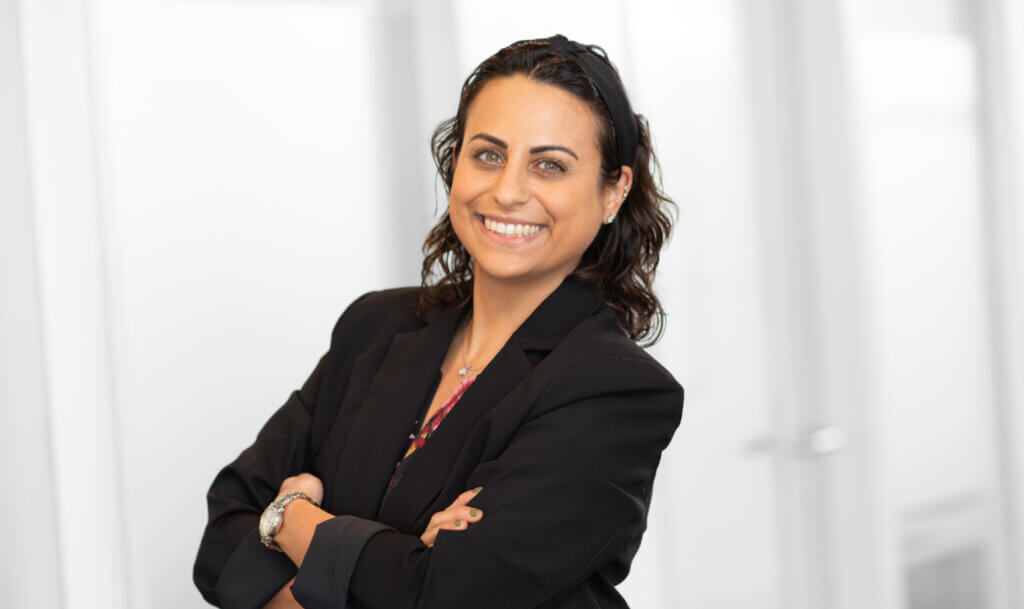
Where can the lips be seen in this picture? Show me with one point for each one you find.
(507, 231)
(508, 220)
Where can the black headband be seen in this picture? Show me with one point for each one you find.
(623, 121)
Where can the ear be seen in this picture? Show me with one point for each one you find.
(615, 194)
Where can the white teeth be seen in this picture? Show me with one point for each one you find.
(511, 230)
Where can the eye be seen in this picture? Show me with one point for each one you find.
(482, 153)
(546, 165)
(556, 167)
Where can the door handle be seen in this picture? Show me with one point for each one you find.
(816, 442)
(824, 440)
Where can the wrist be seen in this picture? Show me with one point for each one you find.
(300, 525)
(272, 520)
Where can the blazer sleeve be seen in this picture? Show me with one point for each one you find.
(232, 569)
(568, 496)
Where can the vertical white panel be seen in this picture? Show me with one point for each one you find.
(1000, 32)
(242, 172)
(808, 204)
(73, 296)
(31, 575)
(930, 326)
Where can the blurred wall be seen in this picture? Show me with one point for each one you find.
(31, 578)
(192, 191)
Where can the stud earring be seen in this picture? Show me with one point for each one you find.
(608, 219)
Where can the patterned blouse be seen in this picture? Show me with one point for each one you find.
(419, 439)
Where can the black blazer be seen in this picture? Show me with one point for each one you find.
(564, 429)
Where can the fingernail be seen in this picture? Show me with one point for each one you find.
(474, 512)
(478, 489)
(458, 523)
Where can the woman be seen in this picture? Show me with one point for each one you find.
(528, 482)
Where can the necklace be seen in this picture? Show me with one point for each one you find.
(465, 350)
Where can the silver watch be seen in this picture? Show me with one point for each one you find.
(273, 517)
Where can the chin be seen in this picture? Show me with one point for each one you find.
(502, 271)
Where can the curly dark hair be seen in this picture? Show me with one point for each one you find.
(623, 257)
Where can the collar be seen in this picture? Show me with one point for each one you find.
(572, 301)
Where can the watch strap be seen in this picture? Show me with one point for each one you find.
(279, 504)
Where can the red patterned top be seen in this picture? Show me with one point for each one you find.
(419, 439)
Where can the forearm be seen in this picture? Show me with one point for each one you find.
(300, 520)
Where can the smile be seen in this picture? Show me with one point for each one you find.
(507, 232)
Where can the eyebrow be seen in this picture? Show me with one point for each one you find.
(534, 150)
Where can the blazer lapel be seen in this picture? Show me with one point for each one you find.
(406, 380)
(379, 430)
(426, 473)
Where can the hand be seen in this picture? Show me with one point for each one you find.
(455, 517)
(305, 482)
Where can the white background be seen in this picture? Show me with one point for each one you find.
(191, 191)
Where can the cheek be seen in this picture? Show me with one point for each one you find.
(462, 192)
(456, 196)
(461, 217)
(575, 227)
(579, 235)
(573, 216)
(459, 211)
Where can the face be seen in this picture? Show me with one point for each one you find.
(526, 199)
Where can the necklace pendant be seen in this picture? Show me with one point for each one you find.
(464, 370)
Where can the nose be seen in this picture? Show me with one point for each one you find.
(512, 189)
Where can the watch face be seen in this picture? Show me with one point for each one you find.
(268, 522)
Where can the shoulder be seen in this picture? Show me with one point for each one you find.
(597, 358)
(599, 345)
(388, 310)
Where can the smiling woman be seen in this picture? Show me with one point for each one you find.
(490, 437)
(553, 101)
(511, 183)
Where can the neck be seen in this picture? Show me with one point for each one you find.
(500, 306)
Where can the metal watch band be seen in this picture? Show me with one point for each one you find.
(279, 505)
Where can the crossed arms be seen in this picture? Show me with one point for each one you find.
(567, 497)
